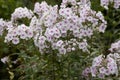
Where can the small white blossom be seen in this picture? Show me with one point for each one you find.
(21, 13)
(15, 40)
(5, 59)
(59, 43)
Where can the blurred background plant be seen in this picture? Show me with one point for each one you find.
(26, 63)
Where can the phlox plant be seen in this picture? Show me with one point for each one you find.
(69, 40)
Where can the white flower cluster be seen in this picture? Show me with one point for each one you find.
(41, 8)
(14, 33)
(115, 47)
(47, 14)
(105, 3)
(86, 72)
(66, 3)
(66, 29)
(21, 13)
(2, 26)
(102, 66)
(18, 31)
(116, 56)
(73, 3)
